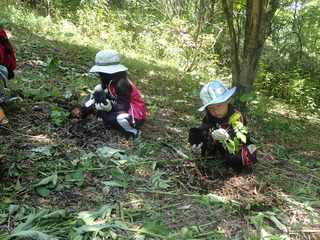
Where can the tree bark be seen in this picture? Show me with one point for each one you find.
(258, 16)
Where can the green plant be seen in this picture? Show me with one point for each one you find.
(58, 115)
(240, 130)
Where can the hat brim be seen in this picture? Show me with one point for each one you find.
(222, 98)
(109, 69)
(3, 73)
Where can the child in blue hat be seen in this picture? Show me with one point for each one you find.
(223, 129)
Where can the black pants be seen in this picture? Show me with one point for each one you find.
(240, 160)
(120, 121)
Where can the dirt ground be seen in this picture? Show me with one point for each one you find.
(85, 130)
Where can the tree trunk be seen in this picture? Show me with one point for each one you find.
(258, 16)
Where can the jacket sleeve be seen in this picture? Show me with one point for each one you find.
(123, 90)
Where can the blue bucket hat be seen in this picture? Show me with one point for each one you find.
(215, 92)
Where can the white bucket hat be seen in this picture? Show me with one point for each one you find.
(214, 92)
(107, 61)
(3, 73)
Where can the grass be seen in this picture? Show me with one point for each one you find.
(78, 181)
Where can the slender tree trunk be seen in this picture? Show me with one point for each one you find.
(235, 63)
(253, 45)
(258, 16)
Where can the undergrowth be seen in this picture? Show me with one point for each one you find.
(65, 178)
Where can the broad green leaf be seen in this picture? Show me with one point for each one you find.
(231, 146)
(44, 192)
(274, 219)
(14, 170)
(13, 208)
(251, 96)
(92, 228)
(118, 173)
(18, 185)
(51, 179)
(242, 136)
(56, 214)
(76, 178)
(3, 218)
(203, 201)
(299, 225)
(216, 199)
(52, 65)
(115, 184)
(234, 117)
(69, 34)
(89, 216)
(32, 220)
(154, 228)
(7, 200)
(45, 150)
(30, 234)
(108, 151)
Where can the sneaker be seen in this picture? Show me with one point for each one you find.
(4, 121)
(136, 136)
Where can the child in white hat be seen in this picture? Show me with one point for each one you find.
(122, 108)
(219, 133)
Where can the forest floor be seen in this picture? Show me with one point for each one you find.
(157, 179)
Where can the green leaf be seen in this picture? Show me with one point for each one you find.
(118, 173)
(68, 34)
(51, 179)
(3, 218)
(30, 234)
(115, 184)
(242, 136)
(45, 150)
(13, 208)
(18, 185)
(52, 65)
(248, 97)
(44, 192)
(299, 225)
(157, 181)
(14, 170)
(56, 214)
(89, 216)
(204, 201)
(216, 199)
(76, 178)
(7, 200)
(234, 117)
(230, 146)
(273, 218)
(154, 228)
(31, 221)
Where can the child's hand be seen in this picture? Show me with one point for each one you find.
(104, 107)
(195, 146)
(220, 134)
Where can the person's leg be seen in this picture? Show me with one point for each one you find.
(125, 121)
(122, 122)
(110, 120)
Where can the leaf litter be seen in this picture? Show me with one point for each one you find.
(154, 192)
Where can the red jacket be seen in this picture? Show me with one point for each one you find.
(125, 96)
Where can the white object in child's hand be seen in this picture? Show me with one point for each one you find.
(104, 107)
(98, 88)
(220, 134)
(196, 146)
